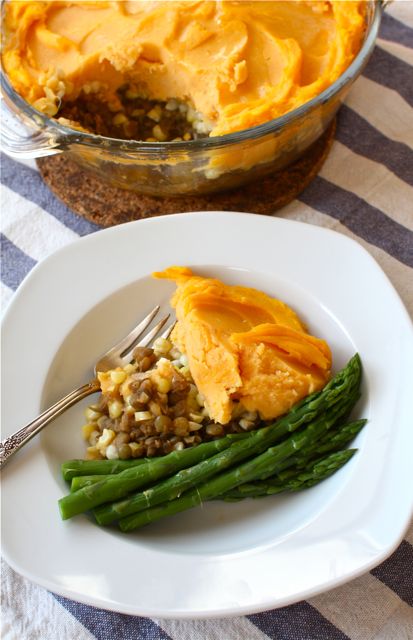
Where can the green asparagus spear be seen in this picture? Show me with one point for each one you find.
(313, 473)
(333, 440)
(73, 468)
(114, 487)
(174, 486)
(260, 466)
(78, 482)
(321, 470)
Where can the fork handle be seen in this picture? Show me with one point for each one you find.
(13, 443)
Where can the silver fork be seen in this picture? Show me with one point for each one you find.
(118, 356)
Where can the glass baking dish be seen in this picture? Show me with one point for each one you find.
(185, 168)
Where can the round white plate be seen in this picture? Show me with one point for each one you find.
(221, 559)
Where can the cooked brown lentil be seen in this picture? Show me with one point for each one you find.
(131, 117)
(152, 407)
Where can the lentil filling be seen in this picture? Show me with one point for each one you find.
(152, 407)
(128, 116)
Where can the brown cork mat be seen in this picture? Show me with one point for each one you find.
(90, 197)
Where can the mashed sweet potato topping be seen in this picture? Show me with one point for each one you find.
(239, 64)
(244, 347)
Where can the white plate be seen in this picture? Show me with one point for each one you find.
(221, 559)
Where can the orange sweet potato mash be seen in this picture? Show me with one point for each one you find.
(244, 347)
(239, 64)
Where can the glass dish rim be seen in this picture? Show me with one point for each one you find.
(69, 135)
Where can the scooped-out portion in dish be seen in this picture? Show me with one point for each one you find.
(176, 70)
(235, 360)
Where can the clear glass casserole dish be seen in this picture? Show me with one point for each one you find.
(195, 167)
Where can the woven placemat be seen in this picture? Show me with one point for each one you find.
(92, 198)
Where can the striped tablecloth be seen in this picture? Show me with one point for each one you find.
(365, 191)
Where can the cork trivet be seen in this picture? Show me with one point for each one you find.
(92, 198)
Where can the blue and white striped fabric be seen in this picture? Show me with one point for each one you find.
(365, 191)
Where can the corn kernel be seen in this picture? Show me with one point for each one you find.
(136, 448)
(115, 409)
(172, 105)
(190, 115)
(194, 426)
(46, 106)
(162, 345)
(192, 404)
(106, 438)
(124, 388)
(163, 385)
(200, 399)
(50, 95)
(164, 368)
(118, 376)
(119, 119)
(159, 133)
(214, 430)
(87, 430)
(196, 417)
(154, 408)
(131, 94)
(129, 368)
(250, 415)
(112, 452)
(155, 113)
(140, 416)
(106, 383)
(92, 415)
(246, 424)
(185, 372)
(92, 453)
